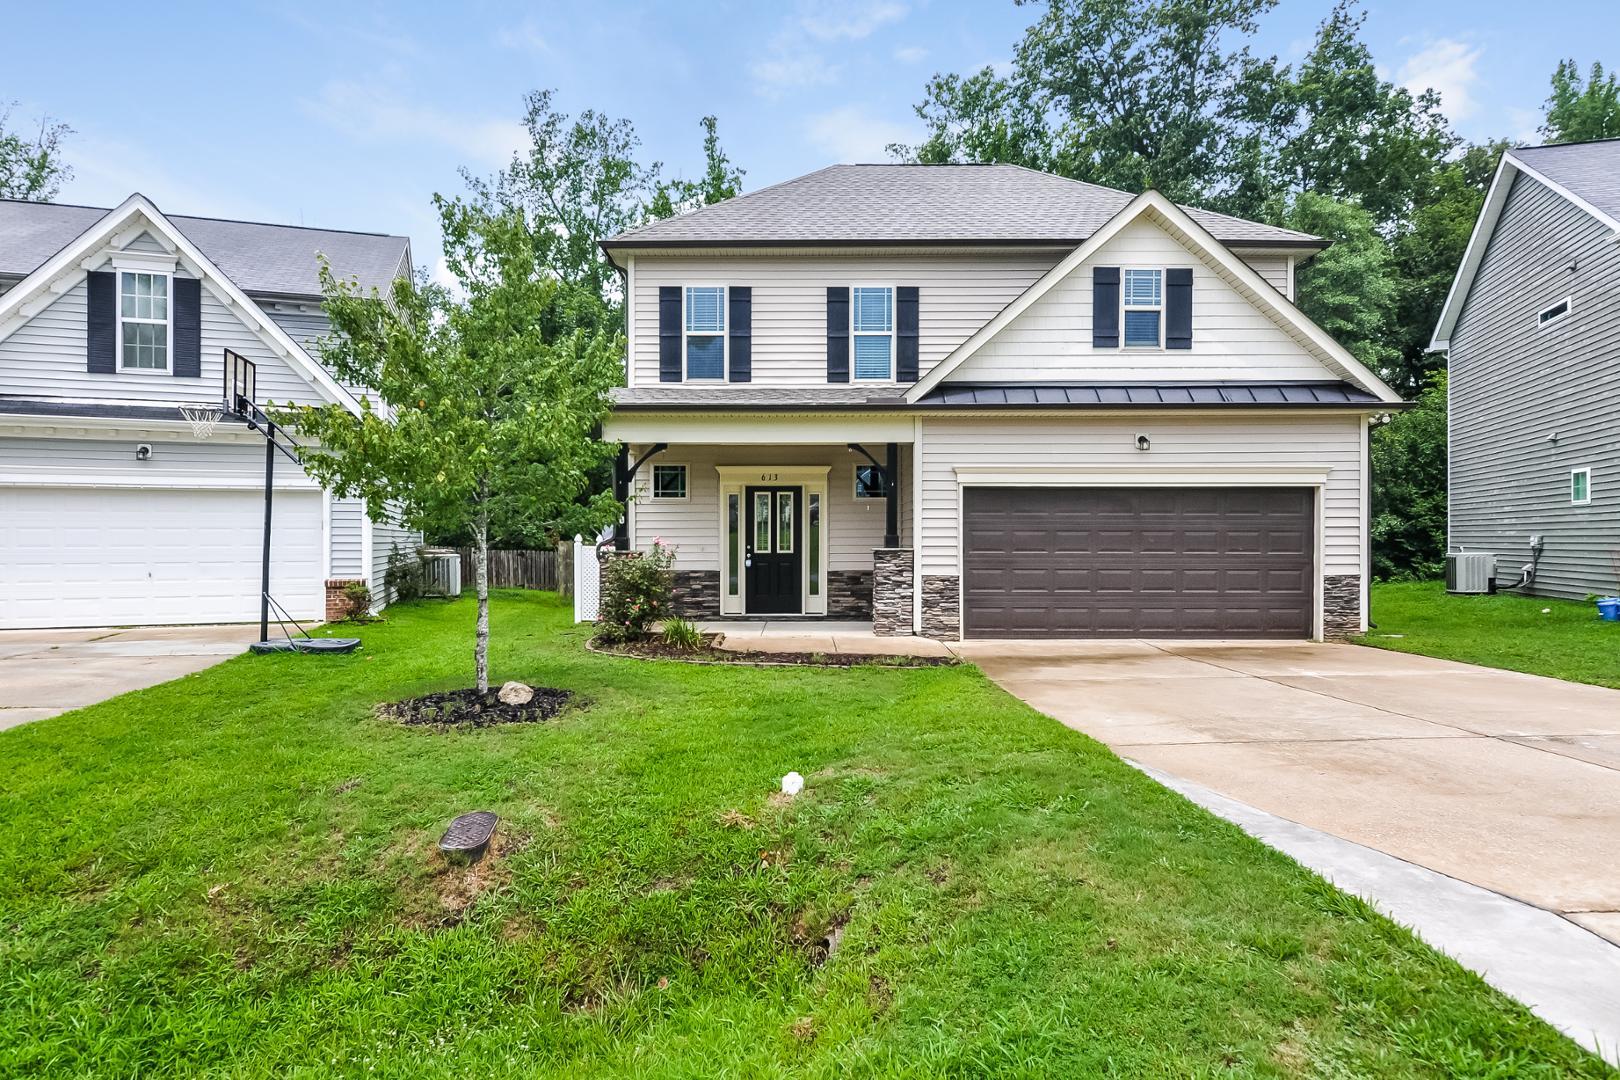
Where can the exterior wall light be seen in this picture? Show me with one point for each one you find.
(1144, 443)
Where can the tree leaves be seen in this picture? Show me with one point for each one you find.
(31, 167)
(1577, 110)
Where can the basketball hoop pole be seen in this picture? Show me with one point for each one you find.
(264, 569)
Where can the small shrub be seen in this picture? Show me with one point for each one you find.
(683, 635)
(637, 591)
(356, 600)
(406, 576)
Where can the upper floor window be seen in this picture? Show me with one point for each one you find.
(873, 323)
(1554, 312)
(143, 321)
(1143, 294)
(1580, 486)
(705, 332)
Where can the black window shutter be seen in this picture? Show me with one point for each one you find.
(669, 333)
(187, 328)
(741, 314)
(1178, 308)
(101, 322)
(837, 334)
(905, 336)
(1105, 307)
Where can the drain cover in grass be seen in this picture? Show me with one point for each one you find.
(468, 836)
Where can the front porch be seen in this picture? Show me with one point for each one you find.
(819, 532)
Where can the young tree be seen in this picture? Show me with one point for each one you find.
(31, 167)
(1579, 111)
(490, 424)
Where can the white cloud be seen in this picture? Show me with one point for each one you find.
(108, 169)
(524, 37)
(847, 21)
(911, 54)
(854, 134)
(373, 113)
(1523, 125)
(1448, 67)
(784, 69)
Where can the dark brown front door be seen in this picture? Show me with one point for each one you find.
(774, 563)
(1138, 562)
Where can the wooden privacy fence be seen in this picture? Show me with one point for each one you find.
(514, 569)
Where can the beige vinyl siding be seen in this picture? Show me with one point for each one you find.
(1232, 339)
(692, 527)
(46, 359)
(348, 543)
(957, 294)
(1253, 441)
(148, 244)
(1528, 404)
(176, 458)
(1274, 268)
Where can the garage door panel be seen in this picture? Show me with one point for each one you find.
(1145, 562)
(112, 556)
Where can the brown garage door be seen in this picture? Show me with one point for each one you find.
(1138, 562)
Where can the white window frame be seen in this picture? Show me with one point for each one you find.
(724, 335)
(1542, 322)
(1125, 271)
(892, 333)
(686, 479)
(167, 322)
(1586, 471)
(855, 484)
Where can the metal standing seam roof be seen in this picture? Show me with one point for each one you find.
(998, 396)
(925, 204)
(260, 258)
(1590, 170)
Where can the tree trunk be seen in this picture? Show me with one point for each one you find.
(481, 581)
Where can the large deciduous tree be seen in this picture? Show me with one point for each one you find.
(31, 166)
(1408, 513)
(1579, 110)
(490, 418)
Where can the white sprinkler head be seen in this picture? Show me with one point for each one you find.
(792, 784)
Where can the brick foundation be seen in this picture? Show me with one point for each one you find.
(1341, 606)
(849, 595)
(941, 607)
(892, 582)
(696, 594)
(338, 606)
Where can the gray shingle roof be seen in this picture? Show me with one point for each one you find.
(260, 258)
(923, 204)
(1590, 170)
(993, 396)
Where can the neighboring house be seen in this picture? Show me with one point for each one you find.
(1531, 329)
(111, 511)
(982, 401)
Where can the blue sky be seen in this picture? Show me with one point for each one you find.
(350, 115)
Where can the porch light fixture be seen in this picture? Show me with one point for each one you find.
(1144, 443)
(143, 451)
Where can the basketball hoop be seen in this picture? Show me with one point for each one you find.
(202, 418)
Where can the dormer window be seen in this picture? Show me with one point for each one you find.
(705, 332)
(873, 325)
(1143, 294)
(143, 321)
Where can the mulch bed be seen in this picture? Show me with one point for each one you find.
(655, 649)
(469, 708)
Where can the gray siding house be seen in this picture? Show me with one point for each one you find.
(1532, 329)
(112, 512)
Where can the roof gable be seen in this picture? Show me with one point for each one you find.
(924, 204)
(1154, 209)
(134, 219)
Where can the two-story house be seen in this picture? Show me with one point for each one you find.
(113, 512)
(982, 401)
(1531, 329)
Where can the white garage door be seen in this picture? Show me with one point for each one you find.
(120, 556)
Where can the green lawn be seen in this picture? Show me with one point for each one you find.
(1560, 638)
(234, 874)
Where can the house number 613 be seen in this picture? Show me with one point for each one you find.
(769, 477)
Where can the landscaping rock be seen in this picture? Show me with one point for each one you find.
(516, 693)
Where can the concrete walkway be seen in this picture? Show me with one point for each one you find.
(821, 636)
(1480, 807)
(46, 672)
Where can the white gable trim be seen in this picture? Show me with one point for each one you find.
(1489, 214)
(120, 226)
(1259, 292)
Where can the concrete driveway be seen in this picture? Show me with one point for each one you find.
(45, 672)
(1507, 781)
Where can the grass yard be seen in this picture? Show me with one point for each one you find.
(1560, 638)
(234, 874)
